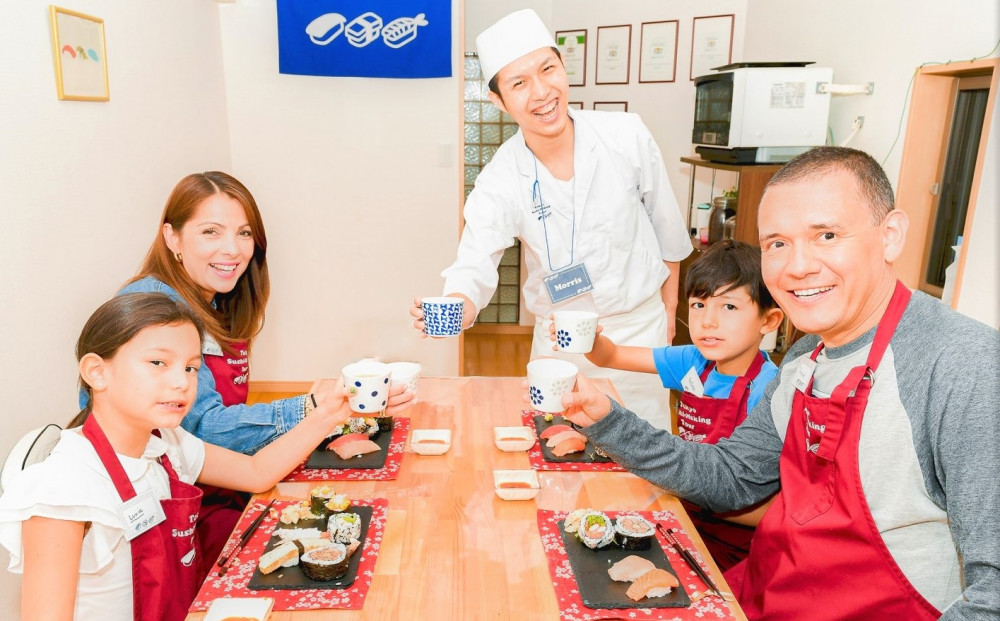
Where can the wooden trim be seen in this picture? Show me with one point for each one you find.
(269, 386)
(500, 328)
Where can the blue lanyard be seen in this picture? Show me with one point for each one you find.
(543, 211)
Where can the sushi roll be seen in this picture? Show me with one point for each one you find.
(319, 496)
(326, 563)
(573, 520)
(595, 530)
(344, 527)
(384, 423)
(634, 532)
(338, 503)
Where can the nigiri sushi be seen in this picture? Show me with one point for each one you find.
(344, 439)
(553, 430)
(355, 448)
(554, 440)
(630, 568)
(653, 583)
(567, 446)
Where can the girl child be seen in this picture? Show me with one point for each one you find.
(104, 527)
(210, 252)
(721, 376)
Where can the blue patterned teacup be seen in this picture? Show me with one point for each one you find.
(442, 316)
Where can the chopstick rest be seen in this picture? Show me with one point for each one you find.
(244, 538)
(668, 534)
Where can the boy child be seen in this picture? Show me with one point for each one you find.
(721, 376)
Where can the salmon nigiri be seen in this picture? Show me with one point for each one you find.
(630, 568)
(347, 438)
(653, 583)
(567, 446)
(553, 440)
(355, 448)
(553, 430)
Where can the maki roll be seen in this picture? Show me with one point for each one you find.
(326, 563)
(344, 527)
(384, 423)
(634, 532)
(337, 503)
(595, 530)
(319, 496)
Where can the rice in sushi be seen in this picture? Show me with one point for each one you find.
(326, 563)
(344, 527)
(595, 530)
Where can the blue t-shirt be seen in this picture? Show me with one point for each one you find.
(673, 363)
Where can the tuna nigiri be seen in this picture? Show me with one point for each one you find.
(355, 448)
(344, 439)
(630, 568)
(567, 446)
(553, 430)
(653, 583)
(564, 435)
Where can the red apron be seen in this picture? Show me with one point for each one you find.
(818, 553)
(222, 508)
(163, 567)
(707, 420)
(231, 374)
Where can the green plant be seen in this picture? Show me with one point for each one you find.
(731, 193)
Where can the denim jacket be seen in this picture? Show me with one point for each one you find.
(242, 428)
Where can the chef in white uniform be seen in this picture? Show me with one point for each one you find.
(587, 194)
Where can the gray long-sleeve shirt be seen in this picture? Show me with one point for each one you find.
(929, 452)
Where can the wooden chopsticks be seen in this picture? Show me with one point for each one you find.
(668, 534)
(244, 538)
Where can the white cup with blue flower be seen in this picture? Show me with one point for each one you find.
(575, 330)
(548, 380)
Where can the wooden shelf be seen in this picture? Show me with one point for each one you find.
(750, 186)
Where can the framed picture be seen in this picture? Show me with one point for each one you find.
(573, 47)
(614, 50)
(658, 51)
(611, 106)
(576, 105)
(80, 56)
(711, 43)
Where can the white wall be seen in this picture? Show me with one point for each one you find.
(885, 42)
(82, 185)
(360, 217)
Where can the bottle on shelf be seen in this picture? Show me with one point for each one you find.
(722, 209)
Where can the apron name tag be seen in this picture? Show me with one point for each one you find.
(140, 514)
(691, 383)
(210, 346)
(568, 283)
(803, 374)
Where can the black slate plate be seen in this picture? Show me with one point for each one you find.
(292, 578)
(598, 590)
(322, 458)
(588, 456)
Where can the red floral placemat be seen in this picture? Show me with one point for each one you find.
(387, 472)
(538, 461)
(571, 606)
(242, 568)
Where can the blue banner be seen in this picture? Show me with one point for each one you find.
(365, 38)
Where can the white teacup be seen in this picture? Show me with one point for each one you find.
(575, 330)
(370, 381)
(548, 380)
(406, 374)
(442, 316)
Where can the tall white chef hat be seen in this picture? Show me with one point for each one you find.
(520, 33)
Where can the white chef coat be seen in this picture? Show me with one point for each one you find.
(72, 484)
(627, 223)
(627, 219)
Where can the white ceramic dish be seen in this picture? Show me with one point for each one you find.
(258, 608)
(513, 439)
(525, 480)
(430, 441)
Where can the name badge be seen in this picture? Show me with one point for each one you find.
(691, 383)
(803, 374)
(140, 514)
(568, 283)
(210, 346)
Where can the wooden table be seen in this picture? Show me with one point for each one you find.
(452, 549)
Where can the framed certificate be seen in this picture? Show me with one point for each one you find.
(658, 52)
(711, 43)
(573, 47)
(614, 45)
(611, 106)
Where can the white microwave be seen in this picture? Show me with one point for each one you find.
(771, 108)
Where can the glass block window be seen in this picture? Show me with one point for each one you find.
(486, 127)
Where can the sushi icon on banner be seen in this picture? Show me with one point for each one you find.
(370, 38)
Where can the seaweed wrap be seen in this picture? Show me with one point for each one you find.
(634, 532)
(326, 563)
(319, 496)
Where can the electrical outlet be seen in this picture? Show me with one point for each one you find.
(859, 122)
